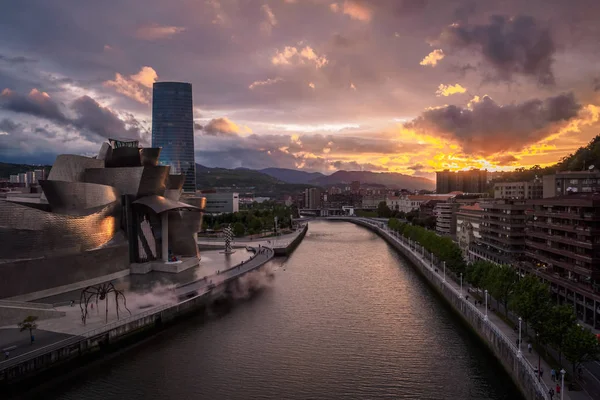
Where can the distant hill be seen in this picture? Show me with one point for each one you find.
(7, 169)
(242, 179)
(292, 175)
(389, 179)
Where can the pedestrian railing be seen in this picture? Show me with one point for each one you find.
(422, 256)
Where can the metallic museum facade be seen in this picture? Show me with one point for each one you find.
(95, 217)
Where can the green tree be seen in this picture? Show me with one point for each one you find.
(530, 298)
(561, 319)
(500, 282)
(255, 224)
(476, 271)
(28, 324)
(383, 211)
(580, 345)
(239, 229)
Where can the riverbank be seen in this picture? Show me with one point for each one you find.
(487, 326)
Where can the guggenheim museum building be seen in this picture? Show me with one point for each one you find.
(97, 216)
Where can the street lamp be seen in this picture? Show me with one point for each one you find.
(461, 294)
(444, 263)
(486, 317)
(519, 351)
(562, 384)
(431, 254)
(537, 339)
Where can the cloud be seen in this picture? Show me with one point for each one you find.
(433, 58)
(7, 126)
(311, 85)
(504, 159)
(155, 31)
(355, 9)
(101, 121)
(224, 127)
(516, 45)
(267, 82)
(596, 84)
(355, 166)
(293, 55)
(137, 87)
(271, 21)
(16, 60)
(36, 103)
(417, 167)
(448, 90)
(198, 127)
(485, 127)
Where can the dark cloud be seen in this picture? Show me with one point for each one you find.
(487, 127)
(517, 45)
(417, 167)
(16, 60)
(596, 84)
(505, 159)
(36, 103)
(8, 126)
(100, 121)
(198, 127)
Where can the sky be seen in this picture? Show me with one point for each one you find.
(409, 86)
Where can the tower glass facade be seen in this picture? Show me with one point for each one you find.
(173, 129)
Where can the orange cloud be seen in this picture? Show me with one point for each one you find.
(433, 58)
(353, 9)
(224, 127)
(448, 90)
(291, 54)
(267, 82)
(137, 86)
(154, 31)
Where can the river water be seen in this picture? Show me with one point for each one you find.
(345, 318)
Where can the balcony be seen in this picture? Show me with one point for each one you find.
(500, 245)
(559, 252)
(505, 240)
(560, 239)
(582, 288)
(511, 232)
(479, 251)
(586, 216)
(512, 224)
(584, 230)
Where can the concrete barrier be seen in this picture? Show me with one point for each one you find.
(505, 351)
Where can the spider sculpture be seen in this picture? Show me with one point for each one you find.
(97, 293)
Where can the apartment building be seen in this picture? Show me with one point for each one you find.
(445, 213)
(468, 222)
(519, 190)
(562, 183)
(502, 232)
(562, 247)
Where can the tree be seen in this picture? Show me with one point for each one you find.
(560, 321)
(501, 281)
(239, 229)
(580, 345)
(530, 298)
(383, 211)
(476, 271)
(29, 324)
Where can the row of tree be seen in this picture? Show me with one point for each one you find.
(252, 221)
(530, 298)
(527, 296)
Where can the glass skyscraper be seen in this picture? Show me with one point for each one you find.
(173, 129)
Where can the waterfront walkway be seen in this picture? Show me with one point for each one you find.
(273, 241)
(532, 358)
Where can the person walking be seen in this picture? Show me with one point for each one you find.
(529, 347)
(551, 393)
(553, 374)
(6, 354)
(557, 389)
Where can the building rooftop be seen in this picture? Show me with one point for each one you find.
(422, 197)
(474, 207)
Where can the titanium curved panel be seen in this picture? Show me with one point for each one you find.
(71, 168)
(160, 204)
(136, 181)
(77, 198)
(174, 187)
(149, 156)
(29, 233)
(124, 157)
(181, 233)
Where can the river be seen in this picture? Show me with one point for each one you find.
(345, 318)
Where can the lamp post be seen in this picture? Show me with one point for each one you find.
(537, 339)
(431, 254)
(444, 263)
(461, 294)
(519, 351)
(486, 317)
(562, 383)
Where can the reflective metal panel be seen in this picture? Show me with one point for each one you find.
(69, 167)
(149, 156)
(124, 157)
(77, 198)
(28, 233)
(160, 204)
(137, 181)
